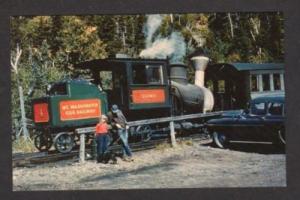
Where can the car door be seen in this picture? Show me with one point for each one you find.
(249, 126)
(274, 119)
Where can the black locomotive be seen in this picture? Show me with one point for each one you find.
(142, 88)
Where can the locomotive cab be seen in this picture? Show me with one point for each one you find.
(68, 105)
(135, 85)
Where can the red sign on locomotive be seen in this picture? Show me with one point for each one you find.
(141, 96)
(40, 111)
(79, 109)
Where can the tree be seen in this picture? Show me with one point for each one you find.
(14, 64)
(52, 44)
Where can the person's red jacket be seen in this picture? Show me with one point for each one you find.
(101, 128)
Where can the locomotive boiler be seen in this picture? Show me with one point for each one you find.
(142, 88)
(190, 98)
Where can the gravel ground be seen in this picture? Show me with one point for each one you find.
(186, 166)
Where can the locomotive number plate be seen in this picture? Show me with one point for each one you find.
(79, 109)
(40, 111)
(141, 96)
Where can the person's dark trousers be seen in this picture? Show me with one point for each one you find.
(102, 145)
(124, 138)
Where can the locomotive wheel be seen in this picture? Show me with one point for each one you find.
(145, 132)
(43, 142)
(64, 142)
(221, 140)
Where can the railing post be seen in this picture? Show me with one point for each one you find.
(82, 148)
(172, 133)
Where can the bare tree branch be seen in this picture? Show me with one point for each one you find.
(15, 61)
(231, 25)
(256, 25)
(253, 36)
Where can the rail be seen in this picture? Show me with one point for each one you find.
(83, 131)
(32, 159)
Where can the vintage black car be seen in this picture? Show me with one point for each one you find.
(262, 121)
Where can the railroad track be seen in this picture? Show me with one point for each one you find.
(33, 159)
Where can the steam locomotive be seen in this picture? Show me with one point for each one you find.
(142, 88)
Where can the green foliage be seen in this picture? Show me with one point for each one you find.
(52, 44)
(23, 146)
(34, 74)
(80, 40)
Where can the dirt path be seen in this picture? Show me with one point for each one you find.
(187, 166)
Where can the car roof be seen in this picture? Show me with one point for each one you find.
(269, 98)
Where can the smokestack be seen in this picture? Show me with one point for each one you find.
(200, 64)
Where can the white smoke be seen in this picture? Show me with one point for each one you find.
(173, 46)
(151, 26)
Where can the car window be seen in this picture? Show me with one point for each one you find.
(258, 109)
(275, 108)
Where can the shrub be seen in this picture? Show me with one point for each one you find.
(23, 146)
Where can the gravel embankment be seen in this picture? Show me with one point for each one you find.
(187, 166)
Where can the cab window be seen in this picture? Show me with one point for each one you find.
(106, 79)
(58, 89)
(258, 109)
(147, 74)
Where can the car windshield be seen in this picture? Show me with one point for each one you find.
(258, 108)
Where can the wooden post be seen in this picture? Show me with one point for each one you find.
(82, 148)
(172, 133)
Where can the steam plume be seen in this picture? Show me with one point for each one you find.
(152, 24)
(173, 46)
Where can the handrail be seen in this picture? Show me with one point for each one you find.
(156, 120)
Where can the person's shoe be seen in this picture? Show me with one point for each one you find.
(123, 157)
(99, 159)
(128, 159)
(114, 162)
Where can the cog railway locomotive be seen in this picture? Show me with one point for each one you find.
(142, 88)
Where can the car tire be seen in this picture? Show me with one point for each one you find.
(279, 140)
(281, 136)
(220, 140)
